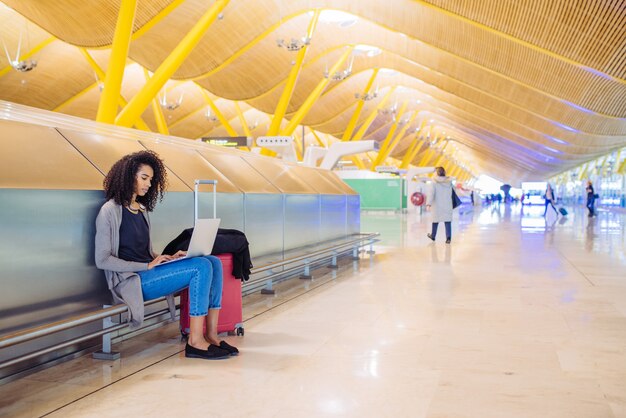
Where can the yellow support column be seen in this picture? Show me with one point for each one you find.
(315, 94)
(285, 97)
(406, 159)
(244, 124)
(220, 115)
(140, 124)
(442, 155)
(383, 152)
(411, 151)
(139, 103)
(157, 111)
(370, 118)
(318, 139)
(400, 134)
(158, 116)
(359, 107)
(107, 108)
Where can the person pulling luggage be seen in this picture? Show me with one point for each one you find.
(440, 198)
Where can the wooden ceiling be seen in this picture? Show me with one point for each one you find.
(524, 89)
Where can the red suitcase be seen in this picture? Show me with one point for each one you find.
(231, 316)
(230, 319)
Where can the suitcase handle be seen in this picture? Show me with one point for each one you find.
(197, 183)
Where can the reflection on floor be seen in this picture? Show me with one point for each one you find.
(516, 318)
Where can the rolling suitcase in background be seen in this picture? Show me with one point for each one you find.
(231, 316)
(562, 211)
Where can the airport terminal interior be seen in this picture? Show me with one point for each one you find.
(326, 132)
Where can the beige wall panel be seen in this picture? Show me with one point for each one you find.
(36, 157)
(103, 151)
(325, 181)
(239, 172)
(190, 166)
(286, 177)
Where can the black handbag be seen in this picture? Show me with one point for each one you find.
(455, 200)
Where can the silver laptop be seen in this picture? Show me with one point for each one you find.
(202, 239)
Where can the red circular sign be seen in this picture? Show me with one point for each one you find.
(417, 199)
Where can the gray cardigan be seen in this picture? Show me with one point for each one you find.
(121, 275)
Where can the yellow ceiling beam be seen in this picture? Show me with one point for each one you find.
(290, 84)
(412, 150)
(318, 139)
(315, 94)
(368, 121)
(137, 105)
(140, 124)
(347, 134)
(242, 120)
(157, 110)
(218, 113)
(400, 135)
(157, 18)
(107, 108)
(383, 152)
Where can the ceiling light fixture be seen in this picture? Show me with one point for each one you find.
(210, 117)
(23, 66)
(170, 105)
(340, 75)
(367, 96)
(294, 44)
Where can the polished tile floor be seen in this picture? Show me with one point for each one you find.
(515, 318)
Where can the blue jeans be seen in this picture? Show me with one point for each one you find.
(203, 276)
(448, 229)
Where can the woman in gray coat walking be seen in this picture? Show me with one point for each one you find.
(440, 198)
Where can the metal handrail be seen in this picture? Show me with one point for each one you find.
(29, 334)
(47, 329)
(76, 340)
(286, 261)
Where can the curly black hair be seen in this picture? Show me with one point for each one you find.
(119, 183)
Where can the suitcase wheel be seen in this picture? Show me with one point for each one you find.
(184, 336)
(240, 331)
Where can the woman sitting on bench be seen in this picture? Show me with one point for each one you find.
(124, 252)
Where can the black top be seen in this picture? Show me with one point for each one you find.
(590, 192)
(134, 238)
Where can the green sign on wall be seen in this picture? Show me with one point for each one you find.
(378, 194)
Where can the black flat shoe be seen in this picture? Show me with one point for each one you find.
(448, 241)
(430, 236)
(212, 353)
(231, 350)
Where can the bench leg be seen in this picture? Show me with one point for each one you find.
(106, 353)
(355, 253)
(333, 261)
(306, 275)
(268, 289)
(371, 251)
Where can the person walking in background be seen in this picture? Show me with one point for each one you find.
(591, 199)
(549, 198)
(440, 198)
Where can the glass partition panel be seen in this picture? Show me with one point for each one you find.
(189, 165)
(103, 151)
(37, 157)
(239, 172)
(285, 177)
